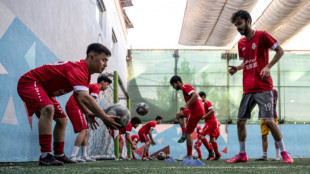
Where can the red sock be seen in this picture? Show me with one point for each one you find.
(189, 150)
(45, 142)
(133, 155)
(59, 148)
(147, 154)
(206, 143)
(183, 130)
(211, 147)
(199, 152)
(216, 150)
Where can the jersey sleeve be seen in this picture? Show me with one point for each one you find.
(209, 105)
(188, 89)
(128, 128)
(153, 125)
(240, 52)
(94, 90)
(78, 79)
(269, 41)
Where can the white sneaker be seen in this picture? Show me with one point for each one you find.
(87, 159)
(276, 158)
(74, 158)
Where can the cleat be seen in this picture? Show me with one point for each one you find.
(263, 158)
(241, 157)
(74, 158)
(182, 139)
(286, 157)
(217, 157)
(276, 159)
(211, 156)
(49, 160)
(87, 159)
(65, 159)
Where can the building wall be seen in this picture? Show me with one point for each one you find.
(36, 32)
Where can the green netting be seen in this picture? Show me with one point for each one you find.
(150, 72)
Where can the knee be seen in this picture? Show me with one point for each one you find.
(201, 137)
(241, 123)
(84, 131)
(62, 121)
(147, 143)
(264, 138)
(47, 111)
(178, 115)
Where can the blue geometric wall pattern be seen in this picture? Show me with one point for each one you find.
(20, 51)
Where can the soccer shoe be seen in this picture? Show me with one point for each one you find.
(286, 157)
(217, 157)
(65, 159)
(87, 159)
(276, 159)
(49, 160)
(263, 158)
(241, 157)
(74, 158)
(182, 139)
(211, 156)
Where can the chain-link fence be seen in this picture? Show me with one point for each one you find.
(100, 142)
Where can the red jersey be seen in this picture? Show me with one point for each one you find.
(127, 129)
(94, 90)
(61, 77)
(196, 107)
(208, 106)
(135, 137)
(146, 128)
(255, 55)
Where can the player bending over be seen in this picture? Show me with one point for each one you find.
(147, 129)
(77, 119)
(39, 87)
(194, 106)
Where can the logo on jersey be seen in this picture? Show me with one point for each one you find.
(243, 49)
(254, 46)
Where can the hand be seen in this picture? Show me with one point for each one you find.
(90, 118)
(153, 143)
(232, 70)
(183, 107)
(109, 121)
(265, 73)
(134, 147)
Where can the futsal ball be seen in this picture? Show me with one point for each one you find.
(161, 156)
(122, 112)
(142, 108)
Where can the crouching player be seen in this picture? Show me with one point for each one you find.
(135, 140)
(147, 130)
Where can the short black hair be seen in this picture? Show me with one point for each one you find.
(242, 14)
(104, 78)
(158, 118)
(201, 94)
(135, 120)
(175, 79)
(98, 48)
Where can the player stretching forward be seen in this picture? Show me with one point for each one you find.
(39, 87)
(211, 128)
(77, 119)
(135, 122)
(257, 82)
(265, 131)
(147, 130)
(135, 139)
(196, 110)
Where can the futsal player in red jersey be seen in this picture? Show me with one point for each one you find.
(145, 130)
(39, 87)
(78, 121)
(135, 140)
(196, 110)
(210, 128)
(257, 82)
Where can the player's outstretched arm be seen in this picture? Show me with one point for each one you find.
(151, 137)
(127, 136)
(92, 105)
